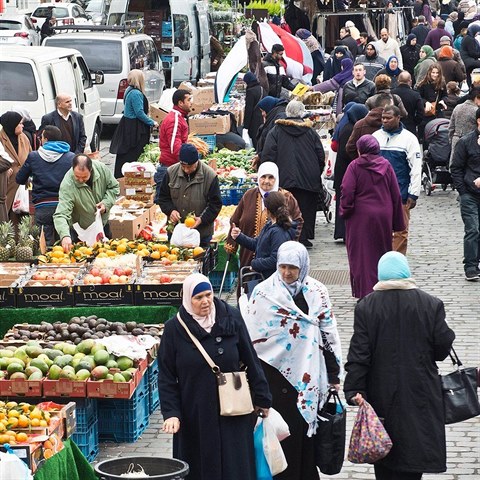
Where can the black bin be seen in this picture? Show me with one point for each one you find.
(157, 468)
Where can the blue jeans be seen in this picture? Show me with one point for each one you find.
(44, 218)
(470, 210)
(158, 177)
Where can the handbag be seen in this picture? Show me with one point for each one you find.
(233, 390)
(459, 391)
(329, 441)
(369, 441)
(433, 111)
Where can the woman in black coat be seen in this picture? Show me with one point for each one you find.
(399, 333)
(271, 109)
(410, 55)
(253, 116)
(470, 50)
(215, 447)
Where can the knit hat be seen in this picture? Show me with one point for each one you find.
(445, 39)
(188, 154)
(393, 266)
(249, 78)
(446, 52)
(267, 103)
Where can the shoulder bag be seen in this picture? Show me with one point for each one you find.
(459, 391)
(233, 390)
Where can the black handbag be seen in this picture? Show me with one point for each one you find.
(329, 440)
(459, 390)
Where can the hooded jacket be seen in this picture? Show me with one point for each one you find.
(47, 167)
(298, 152)
(272, 116)
(173, 134)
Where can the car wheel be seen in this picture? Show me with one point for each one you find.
(95, 143)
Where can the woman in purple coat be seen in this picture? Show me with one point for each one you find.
(371, 206)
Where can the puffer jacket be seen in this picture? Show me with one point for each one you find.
(465, 167)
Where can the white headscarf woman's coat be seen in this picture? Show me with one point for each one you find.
(290, 340)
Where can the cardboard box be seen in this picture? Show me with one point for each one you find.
(202, 97)
(21, 388)
(130, 228)
(142, 197)
(64, 387)
(157, 113)
(110, 389)
(133, 190)
(209, 125)
(139, 178)
(31, 454)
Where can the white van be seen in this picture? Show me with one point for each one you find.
(115, 53)
(31, 77)
(179, 29)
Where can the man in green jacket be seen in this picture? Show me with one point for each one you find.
(87, 186)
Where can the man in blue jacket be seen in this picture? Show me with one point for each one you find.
(47, 167)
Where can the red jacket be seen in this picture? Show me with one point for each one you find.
(173, 133)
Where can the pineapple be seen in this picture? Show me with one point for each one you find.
(6, 235)
(35, 233)
(24, 250)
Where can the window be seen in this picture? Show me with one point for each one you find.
(85, 72)
(151, 56)
(137, 53)
(29, 24)
(10, 25)
(181, 32)
(13, 75)
(60, 12)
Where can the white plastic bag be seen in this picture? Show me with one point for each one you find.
(183, 236)
(94, 233)
(13, 468)
(246, 138)
(271, 447)
(21, 202)
(279, 425)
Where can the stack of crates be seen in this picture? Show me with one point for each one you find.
(216, 281)
(153, 394)
(124, 420)
(86, 433)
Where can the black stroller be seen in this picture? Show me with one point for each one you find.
(436, 157)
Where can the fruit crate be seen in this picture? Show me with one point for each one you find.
(87, 441)
(153, 393)
(125, 420)
(210, 140)
(86, 413)
(232, 195)
(216, 281)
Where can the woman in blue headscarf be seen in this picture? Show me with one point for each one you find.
(315, 51)
(399, 333)
(392, 70)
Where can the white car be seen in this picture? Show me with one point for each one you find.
(65, 13)
(18, 30)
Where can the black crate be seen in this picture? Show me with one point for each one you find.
(44, 297)
(103, 295)
(7, 297)
(158, 294)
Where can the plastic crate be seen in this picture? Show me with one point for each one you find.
(232, 195)
(125, 420)
(153, 397)
(152, 372)
(210, 140)
(86, 413)
(216, 281)
(166, 29)
(87, 441)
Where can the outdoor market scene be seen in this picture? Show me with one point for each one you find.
(239, 241)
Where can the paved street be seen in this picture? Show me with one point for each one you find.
(435, 256)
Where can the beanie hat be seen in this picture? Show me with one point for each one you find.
(267, 103)
(188, 154)
(249, 78)
(445, 38)
(446, 52)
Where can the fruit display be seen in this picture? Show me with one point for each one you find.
(51, 277)
(79, 254)
(175, 273)
(104, 276)
(28, 244)
(224, 158)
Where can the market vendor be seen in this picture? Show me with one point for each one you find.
(87, 186)
(191, 186)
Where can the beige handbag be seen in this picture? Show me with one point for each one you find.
(233, 390)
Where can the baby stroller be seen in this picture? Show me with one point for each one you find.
(324, 202)
(437, 155)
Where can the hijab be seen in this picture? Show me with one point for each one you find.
(394, 273)
(374, 54)
(408, 43)
(446, 52)
(193, 285)
(347, 72)
(267, 168)
(369, 157)
(9, 122)
(294, 253)
(353, 112)
(428, 50)
(391, 72)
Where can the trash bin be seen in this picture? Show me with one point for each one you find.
(157, 468)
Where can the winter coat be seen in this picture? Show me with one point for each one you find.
(48, 167)
(173, 134)
(397, 101)
(410, 57)
(470, 52)
(465, 166)
(266, 246)
(253, 117)
(456, 56)
(358, 94)
(298, 152)
(24, 148)
(430, 94)
(215, 447)
(421, 69)
(372, 65)
(276, 75)
(434, 36)
(393, 78)
(366, 126)
(398, 336)
(421, 31)
(462, 122)
(349, 42)
(413, 103)
(452, 72)
(79, 139)
(77, 201)
(272, 116)
(389, 48)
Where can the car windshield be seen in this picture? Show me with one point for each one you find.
(10, 25)
(94, 6)
(57, 12)
(93, 50)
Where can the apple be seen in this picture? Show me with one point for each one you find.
(122, 279)
(127, 271)
(88, 279)
(114, 279)
(118, 271)
(95, 272)
(65, 283)
(106, 278)
(165, 278)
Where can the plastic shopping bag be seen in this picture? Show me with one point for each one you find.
(263, 471)
(94, 233)
(183, 236)
(369, 441)
(272, 449)
(21, 201)
(279, 425)
(12, 468)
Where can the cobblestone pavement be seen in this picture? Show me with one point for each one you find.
(435, 256)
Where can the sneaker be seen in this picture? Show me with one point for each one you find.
(472, 276)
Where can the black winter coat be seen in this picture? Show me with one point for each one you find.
(410, 57)
(276, 80)
(465, 165)
(215, 447)
(298, 152)
(413, 103)
(272, 116)
(398, 336)
(253, 116)
(470, 52)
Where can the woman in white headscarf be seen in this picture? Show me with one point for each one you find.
(251, 215)
(215, 447)
(294, 332)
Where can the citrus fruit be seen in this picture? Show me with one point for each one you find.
(189, 222)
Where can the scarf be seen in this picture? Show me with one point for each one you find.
(193, 285)
(294, 253)
(391, 72)
(347, 72)
(393, 266)
(292, 341)
(9, 122)
(267, 168)
(403, 284)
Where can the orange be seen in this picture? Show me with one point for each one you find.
(21, 437)
(4, 439)
(43, 423)
(162, 248)
(189, 222)
(48, 453)
(14, 413)
(198, 251)
(35, 422)
(121, 248)
(12, 422)
(155, 255)
(23, 421)
(36, 413)
(172, 258)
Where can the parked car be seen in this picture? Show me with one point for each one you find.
(31, 77)
(65, 13)
(98, 10)
(125, 52)
(16, 29)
